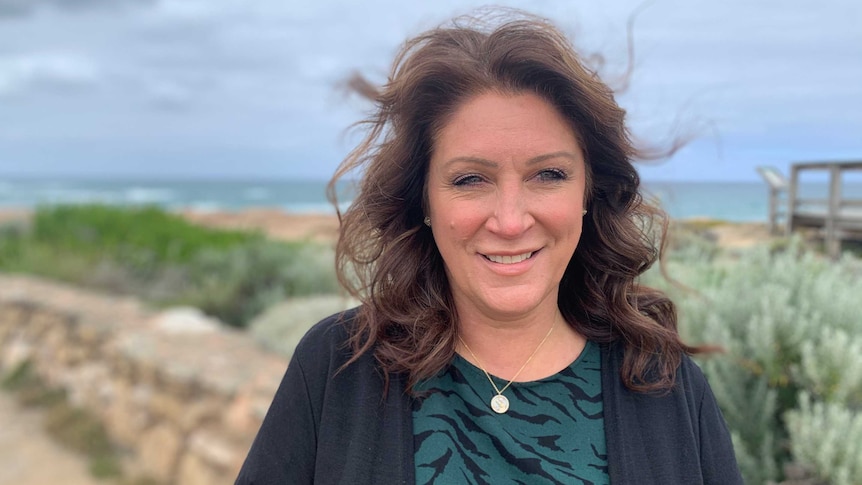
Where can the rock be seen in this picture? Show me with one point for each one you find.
(18, 351)
(184, 320)
(181, 396)
(160, 450)
(194, 471)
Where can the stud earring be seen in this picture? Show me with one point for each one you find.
(585, 212)
(427, 221)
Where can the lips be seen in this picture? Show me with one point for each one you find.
(508, 259)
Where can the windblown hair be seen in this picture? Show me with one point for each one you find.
(387, 257)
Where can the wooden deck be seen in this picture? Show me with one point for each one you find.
(837, 217)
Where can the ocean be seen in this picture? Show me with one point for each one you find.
(731, 201)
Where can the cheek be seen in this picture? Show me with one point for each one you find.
(457, 230)
(566, 222)
(456, 216)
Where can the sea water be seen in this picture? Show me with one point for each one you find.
(731, 201)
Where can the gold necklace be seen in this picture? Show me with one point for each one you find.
(500, 403)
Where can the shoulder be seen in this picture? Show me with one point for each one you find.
(689, 377)
(331, 332)
(325, 347)
(683, 428)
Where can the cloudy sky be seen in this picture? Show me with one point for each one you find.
(248, 88)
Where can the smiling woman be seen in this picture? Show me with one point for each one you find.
(495, 244)
(505, 192)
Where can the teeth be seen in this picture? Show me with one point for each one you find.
(509, 259)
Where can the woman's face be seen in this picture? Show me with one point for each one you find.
(506, 194)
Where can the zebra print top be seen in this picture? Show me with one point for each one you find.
(552, 433)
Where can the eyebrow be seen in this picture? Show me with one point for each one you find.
(531, 161)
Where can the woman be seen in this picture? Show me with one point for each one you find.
(495, 243)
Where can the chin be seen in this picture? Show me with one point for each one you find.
(512, 306)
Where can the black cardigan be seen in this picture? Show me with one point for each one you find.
(326, 428)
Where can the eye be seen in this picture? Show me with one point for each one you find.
(467, 180)
(552, 175)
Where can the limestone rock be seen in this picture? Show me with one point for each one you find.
(160, 450)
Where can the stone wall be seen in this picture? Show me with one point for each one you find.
(182, 395)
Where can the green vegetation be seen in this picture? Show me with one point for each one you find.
(163, 259)
(146, 235)
(790, 383)
(282, 326)
(238, 284)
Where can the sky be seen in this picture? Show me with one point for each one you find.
(250, 88)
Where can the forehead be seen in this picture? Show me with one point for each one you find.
(504, 127)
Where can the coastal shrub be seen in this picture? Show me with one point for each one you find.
(238, 284)
(165, 260)
(147, 235)
(691, 241)
(12, 240)
(830, 368)
(67, 242)
(281, 326)
(790, 323)
(161, 283)
(827, 437)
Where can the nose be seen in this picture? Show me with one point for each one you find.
(512, 215)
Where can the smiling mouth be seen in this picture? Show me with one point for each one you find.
(517, 258)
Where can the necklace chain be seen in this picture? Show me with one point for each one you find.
(500, 391)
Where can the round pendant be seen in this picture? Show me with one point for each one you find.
(499, 404)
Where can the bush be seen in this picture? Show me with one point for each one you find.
(147, 235)
(827, 437)
(281, 326)
(237, 285)
(163, 259)
(67, 242)
(789, 321)
(12, 237)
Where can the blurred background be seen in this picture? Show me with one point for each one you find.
(165, 90)
(163, 166)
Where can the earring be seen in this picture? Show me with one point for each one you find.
(427, 221)
(585, 212)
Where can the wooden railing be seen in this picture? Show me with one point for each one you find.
(837, 216)
(777, 186)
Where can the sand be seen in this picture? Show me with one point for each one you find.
(274, 223)
(14, 215)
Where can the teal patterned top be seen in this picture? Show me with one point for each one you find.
(553, 431)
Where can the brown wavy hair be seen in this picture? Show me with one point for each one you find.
(386, 256)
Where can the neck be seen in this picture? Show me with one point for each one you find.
(503, 347)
